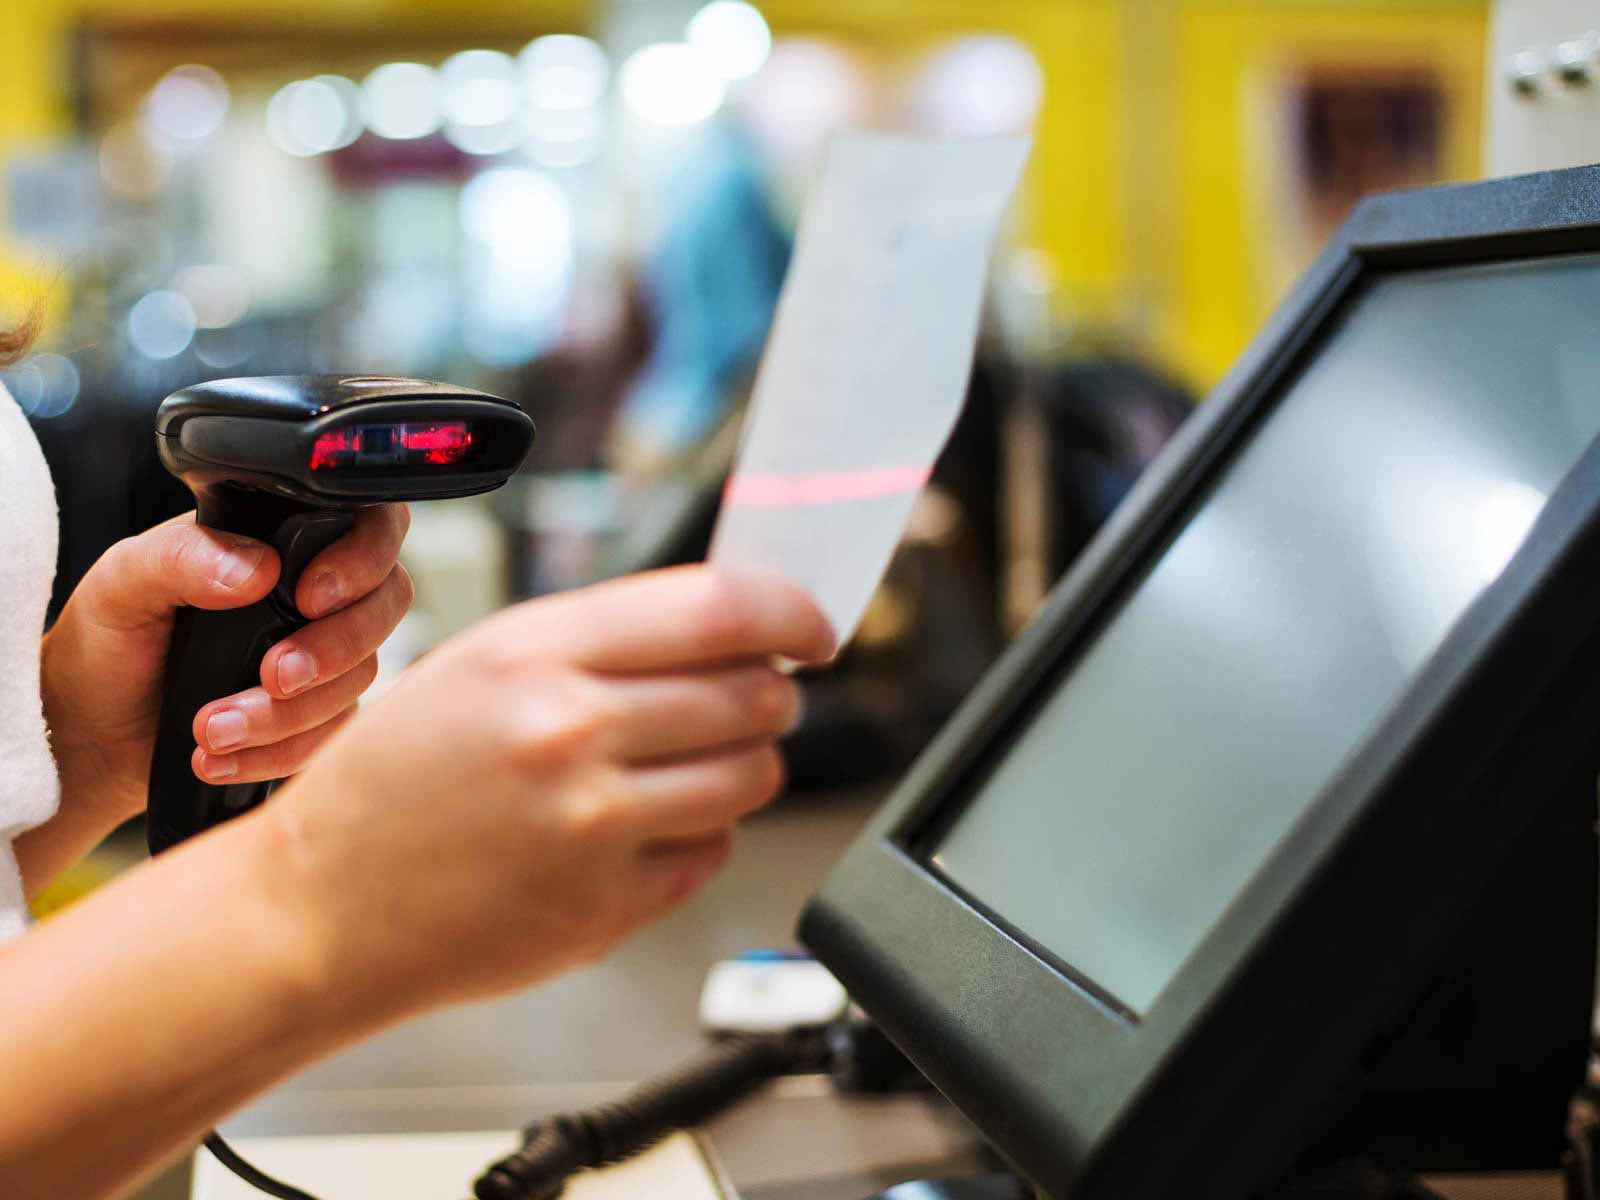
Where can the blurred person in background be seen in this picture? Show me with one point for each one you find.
(522, 798)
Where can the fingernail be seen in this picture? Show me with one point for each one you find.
(220, 768)
(326, 592)
(238, 562)
(295, 671)
(225, 729)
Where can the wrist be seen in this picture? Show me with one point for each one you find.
(96, 785)
(93, 789)
(296, 938)
(339, 976)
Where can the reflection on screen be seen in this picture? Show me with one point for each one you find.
(1388, 487)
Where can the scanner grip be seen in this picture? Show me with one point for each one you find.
(217, 653)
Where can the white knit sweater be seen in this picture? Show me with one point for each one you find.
(28, 787)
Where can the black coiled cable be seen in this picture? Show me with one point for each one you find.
(555, 1149)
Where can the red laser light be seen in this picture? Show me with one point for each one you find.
(367, 446)
(444, 443)
(332, 447)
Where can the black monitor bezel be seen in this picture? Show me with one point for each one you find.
(977, 1006)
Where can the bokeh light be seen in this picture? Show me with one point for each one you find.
(672, 83)
(45, 386)
(564, 71)
(402, 101)
(517, 212)
(979, 86)
(733, 36)
(522, 226)
(218, 294)
(314, 116)
(188, 105)
(162, 324)
(480, 87)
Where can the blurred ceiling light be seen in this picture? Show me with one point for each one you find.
(523, 226)
(402, 100)
(130, 165)
(188, 105)
(979, 86)
(517, 212)
(672, 83)
(485, 139)
(481, 88)
(218, 294)
(564, 71)
(564, 137)
(314, 116)
(482, 101)
(808, 90)
(733, 36)
(162, 324)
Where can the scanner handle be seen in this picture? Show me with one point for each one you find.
(217, 653)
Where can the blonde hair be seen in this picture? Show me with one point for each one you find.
(14, 341)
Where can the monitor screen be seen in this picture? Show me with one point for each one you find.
(1387, 487)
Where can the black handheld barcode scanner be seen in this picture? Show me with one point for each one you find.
(289, 460)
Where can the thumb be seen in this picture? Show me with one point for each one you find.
(141, 579)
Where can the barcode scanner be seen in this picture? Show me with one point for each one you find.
(290, 460)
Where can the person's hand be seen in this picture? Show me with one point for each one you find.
(535, 788)
(104, 659)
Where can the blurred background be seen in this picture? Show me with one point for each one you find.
(588, 206)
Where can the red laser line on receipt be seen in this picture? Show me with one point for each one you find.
(810, 491)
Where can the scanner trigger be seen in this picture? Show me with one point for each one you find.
(298, 540)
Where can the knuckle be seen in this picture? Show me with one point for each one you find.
(562, 728)
(496, 651)
(174, 556)
(596, 812)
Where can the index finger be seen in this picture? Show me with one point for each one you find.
(356, 564)
(681, 617)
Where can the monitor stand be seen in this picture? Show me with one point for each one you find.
(1482, 1076)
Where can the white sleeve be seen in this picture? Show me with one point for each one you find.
(29, 790)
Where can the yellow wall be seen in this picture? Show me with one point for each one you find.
(1144, 185)
(1226, 48)
(1072, 199)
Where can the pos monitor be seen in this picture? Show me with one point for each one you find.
(1269, 842)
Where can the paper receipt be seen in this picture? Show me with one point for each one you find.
(866, 367)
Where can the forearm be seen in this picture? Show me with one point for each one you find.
(142, 1015)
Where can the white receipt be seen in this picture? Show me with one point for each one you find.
(867, 364)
